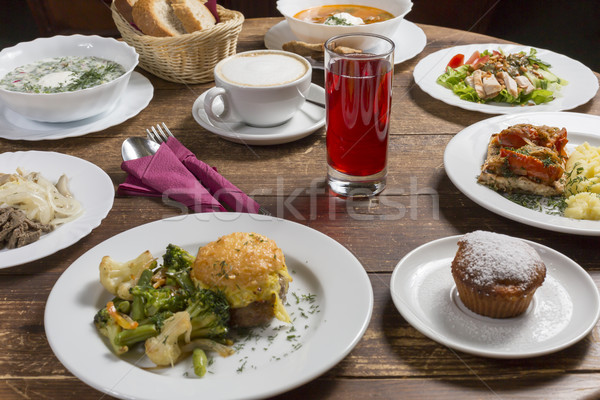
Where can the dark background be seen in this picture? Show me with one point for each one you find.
(571, 27)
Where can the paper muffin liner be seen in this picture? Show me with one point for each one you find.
(493, 306)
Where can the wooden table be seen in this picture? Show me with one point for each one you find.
(393, 360)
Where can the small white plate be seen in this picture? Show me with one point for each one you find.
(465, 153)
(89, 185)
(307, 120)
(409, 39)
(136, 97)
(582, 83)
(563, 311)
(276, 360)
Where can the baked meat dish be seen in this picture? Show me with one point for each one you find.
(250, 270)
(526, 159)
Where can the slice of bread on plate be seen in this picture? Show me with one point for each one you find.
(193, 14)
(156, 18)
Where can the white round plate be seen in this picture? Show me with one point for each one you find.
(564, 309)
(136, 97)
(324, 332)
(465, 153)
(306, 121)
(88, 183)
(582, 83)
(409, 39)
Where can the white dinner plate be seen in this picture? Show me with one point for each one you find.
(88, 184)
(277, 359)
(306, 121)
(582, 83)
(136, 97)
(466, 152)
(563, 311)
(409, 39)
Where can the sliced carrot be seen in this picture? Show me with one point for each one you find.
(123, 320)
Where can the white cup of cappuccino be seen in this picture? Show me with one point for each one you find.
(260, 88)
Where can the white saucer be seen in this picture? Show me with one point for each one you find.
(410, 40)
(136, 97)
(563, 311)
(307, 120)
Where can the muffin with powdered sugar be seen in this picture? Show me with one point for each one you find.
(496, 275)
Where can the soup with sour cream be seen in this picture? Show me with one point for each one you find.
(61, 74)
(320, 14)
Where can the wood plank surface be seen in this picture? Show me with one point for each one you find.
(393, 359)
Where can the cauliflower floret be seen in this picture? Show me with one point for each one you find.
(164, 349)
(119, 277)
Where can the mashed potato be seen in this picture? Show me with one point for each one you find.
(583, 206)
(583, 184)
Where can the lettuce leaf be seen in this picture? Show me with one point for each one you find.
(466, 92)
(540, 96)
(453, 76)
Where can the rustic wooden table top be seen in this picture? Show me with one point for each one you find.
(393, 359)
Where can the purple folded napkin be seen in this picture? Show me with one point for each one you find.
(212, 7)
(175, 171)
(163, 174)
(223, 190)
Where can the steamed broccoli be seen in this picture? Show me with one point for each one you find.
(177, 264)
(176, 258)
(209, 313)
(166, 298)
(109, 328)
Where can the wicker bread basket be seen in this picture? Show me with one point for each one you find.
(188, 58)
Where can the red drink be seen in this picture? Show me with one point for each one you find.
(359, 97)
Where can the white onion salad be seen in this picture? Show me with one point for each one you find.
(41, 200)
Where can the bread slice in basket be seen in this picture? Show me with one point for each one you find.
(171, 17)
(193, 14)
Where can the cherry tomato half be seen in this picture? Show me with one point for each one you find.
(456, 61)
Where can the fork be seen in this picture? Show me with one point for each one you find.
(159, 135)
(162, 134)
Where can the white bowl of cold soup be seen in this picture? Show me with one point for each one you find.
(315, 21)
(65, 78)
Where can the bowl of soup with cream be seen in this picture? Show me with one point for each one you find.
(65, 78)
(315, 21)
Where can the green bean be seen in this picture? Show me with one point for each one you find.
(129, 337)
(121, 305)
(200, 362)
(137, 306)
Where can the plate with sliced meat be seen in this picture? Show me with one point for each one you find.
(467, 164)
(90, 187)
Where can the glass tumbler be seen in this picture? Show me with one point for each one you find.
(358, 91)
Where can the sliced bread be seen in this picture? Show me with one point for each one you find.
(125, 8)
(156, 18)
(193, 14)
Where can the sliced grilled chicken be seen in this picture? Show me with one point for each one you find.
(491, 86)
(524, 84)
(509, 83)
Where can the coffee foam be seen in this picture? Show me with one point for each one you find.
(262, 69)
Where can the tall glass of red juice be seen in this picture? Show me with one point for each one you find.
(358, 86)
